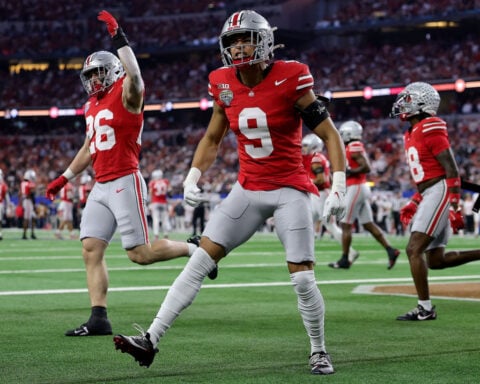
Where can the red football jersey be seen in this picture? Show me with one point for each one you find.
(423, 142)
(3, 191)
(66, 193)
(309, 160)
(27, 188)
(267, 126)
(83, 192)
(158, 190)
(114, 134)
(350, 148)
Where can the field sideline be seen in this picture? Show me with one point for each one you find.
(243, 328)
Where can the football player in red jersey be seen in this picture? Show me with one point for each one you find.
(319, 169)
(263, 102)
(27, 196)
(4, 200)
(434, 171)
(114, 123)
(65, 211)
(158, 188)
(358, 197)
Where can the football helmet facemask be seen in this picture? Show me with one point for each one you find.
(311, 143)
(100, 70)
(350, 130)
(415, 99)
(256, 31)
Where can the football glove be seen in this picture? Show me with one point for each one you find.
(109, 20)
(335, 202)
(409, 210)
(334, 206)
(192, 195)
(456, 220)
(55, 186)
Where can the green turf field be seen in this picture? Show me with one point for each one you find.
(243, 328)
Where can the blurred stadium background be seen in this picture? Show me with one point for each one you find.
(361, 55)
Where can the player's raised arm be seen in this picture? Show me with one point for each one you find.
(133, 86)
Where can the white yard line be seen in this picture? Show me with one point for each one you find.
(241, 285)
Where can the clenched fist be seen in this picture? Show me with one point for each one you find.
(55, 186)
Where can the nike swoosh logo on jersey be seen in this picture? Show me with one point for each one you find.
(277, 83)
(119, 190)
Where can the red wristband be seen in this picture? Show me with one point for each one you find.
(453, 182)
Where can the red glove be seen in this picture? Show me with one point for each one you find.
(409, 210)
(55, 186)
(456, 220)
(110, 21)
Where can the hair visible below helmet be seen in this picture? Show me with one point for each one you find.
(261, 33)
(415, 99)
(107, 68)
(311, 143)
(30, 175)
(157, 174)
(350, 130)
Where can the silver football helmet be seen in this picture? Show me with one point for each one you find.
(416, 98)
(100, 70)
(311, 143)
(157, 174)
(350, 130)
(253, 25)
(29, 175)
(85, 178)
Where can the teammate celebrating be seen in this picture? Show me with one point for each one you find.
(114, 122)
(263, 103)
(318, 167)
(434, 171)
(358, 196)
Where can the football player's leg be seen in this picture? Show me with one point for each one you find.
(96, 230)
(231, 224)
(155, 211)
(295, 229)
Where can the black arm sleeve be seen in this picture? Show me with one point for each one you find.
(316, 112)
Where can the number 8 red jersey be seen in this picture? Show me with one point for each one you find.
(423, 142)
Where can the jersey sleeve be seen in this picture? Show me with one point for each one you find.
(437, 141)
(297, 77)
(218, 87)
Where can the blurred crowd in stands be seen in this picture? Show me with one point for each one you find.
(179, 47)
(372, 11)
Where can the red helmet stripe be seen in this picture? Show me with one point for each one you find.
(235, 21)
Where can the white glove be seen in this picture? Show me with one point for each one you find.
(335, 202)
(191, 193)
